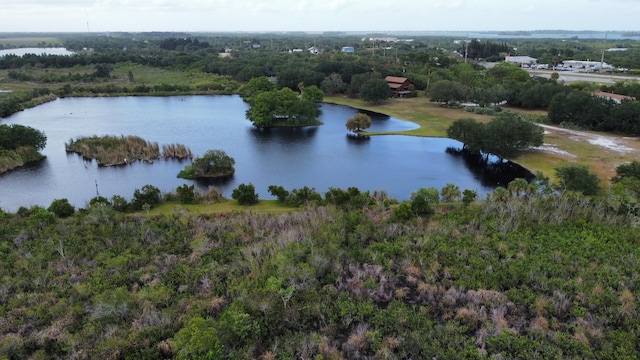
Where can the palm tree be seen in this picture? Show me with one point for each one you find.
(500, 194)
(518, 186)
(450, 192)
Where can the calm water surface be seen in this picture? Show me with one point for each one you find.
(318, 157)
(36, 51)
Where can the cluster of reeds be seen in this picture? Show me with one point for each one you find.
(176, 151)
(113, 150)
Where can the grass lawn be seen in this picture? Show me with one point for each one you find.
(432, 118)
(262, 207)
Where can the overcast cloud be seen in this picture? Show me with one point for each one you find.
(316, 15)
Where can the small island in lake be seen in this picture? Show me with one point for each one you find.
(281, 108)
(214, 164)
(113, 150)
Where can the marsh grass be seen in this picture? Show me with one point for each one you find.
(176, 151)
(113, 150)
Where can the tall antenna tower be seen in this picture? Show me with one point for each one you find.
(87, 17)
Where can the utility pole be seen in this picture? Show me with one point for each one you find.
(466, 48)
(603, 48)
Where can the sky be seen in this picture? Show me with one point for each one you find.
(317, 15)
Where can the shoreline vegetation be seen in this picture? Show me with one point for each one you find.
(15, 159)
(20, 146)
(114, 151)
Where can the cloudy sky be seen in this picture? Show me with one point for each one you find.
(316, 15)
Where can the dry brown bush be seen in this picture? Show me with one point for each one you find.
(468, 317)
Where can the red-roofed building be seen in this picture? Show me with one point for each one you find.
(400, 86)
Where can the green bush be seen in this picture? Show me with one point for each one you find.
(482, 110)
(303, 196)
(39, 217)
(468, 196)
(245, 194)
(279, 192)
(578, 178)
(402, 212)
(423, 199)
(99, 200)
(186, 193)
(149, 195)
(61, 207)
(119, 203)
(352, 198)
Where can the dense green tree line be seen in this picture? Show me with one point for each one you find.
(486, 50)
(593, 112)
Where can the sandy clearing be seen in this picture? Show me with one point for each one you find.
(610, 143)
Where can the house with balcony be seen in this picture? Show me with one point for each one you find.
(400, 86)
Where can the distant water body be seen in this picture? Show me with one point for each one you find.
(36, 51)
(594, 35)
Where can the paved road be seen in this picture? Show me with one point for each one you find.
(570, 76)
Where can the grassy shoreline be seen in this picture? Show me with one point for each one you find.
(434, 120)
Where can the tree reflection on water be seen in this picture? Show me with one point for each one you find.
(489, 169)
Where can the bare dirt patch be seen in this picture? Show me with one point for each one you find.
(615, 144)
(553, 149)
(602, 153)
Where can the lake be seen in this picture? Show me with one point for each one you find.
(36, 51)
(318, 157)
